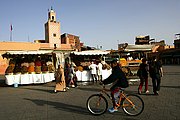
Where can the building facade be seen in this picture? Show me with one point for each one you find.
(71, 40)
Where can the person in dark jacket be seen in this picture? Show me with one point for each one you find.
(156, 72)
(118, 78)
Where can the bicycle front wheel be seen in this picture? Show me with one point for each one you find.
(97, 104)
(133, 105)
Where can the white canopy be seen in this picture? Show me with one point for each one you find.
(92, 52)
(29, 52)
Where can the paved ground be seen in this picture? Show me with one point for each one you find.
(39, 102)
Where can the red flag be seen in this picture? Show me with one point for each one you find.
(11, 27)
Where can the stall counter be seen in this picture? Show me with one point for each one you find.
(85, 76)
(29, 78)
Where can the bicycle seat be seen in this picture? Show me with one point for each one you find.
(119, 88)
(122, 89)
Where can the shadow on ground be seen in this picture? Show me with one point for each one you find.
(43, 90)
(60, 106)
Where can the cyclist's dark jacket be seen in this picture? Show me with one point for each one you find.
(118, 76)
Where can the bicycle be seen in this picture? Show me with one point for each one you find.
(131, 104)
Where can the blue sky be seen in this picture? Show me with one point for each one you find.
(98, 22)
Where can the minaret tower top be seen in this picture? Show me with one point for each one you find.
(52, 15)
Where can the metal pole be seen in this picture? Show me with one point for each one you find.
(10, 35)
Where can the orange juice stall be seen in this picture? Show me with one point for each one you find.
(131, 57)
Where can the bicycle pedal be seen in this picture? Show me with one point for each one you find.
(118, 105)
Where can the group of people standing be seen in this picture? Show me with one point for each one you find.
(153, 68)
(96, 71)
(65, 77)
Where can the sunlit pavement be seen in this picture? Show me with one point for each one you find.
(39, 102)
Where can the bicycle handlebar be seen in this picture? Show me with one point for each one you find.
(101, 83)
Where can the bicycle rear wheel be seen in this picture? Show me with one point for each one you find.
(97, 104)
(133, 105)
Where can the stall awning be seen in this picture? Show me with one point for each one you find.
(29, 52)
(92, 52)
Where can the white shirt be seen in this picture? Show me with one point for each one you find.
(93, 68)
(99, 69)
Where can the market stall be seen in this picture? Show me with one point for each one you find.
(131, 58)
(82, 60)
(29, 67)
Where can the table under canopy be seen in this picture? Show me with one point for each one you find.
(29, 78)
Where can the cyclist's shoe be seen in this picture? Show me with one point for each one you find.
(111, 110)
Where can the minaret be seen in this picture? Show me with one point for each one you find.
(52, 30)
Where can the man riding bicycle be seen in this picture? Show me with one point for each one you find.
(118, 78)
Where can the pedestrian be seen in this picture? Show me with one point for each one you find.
(93, 69)
(156, 72)
(99, 71)
(74, 78)
(143, 75)
(70, 76)
(60, 79)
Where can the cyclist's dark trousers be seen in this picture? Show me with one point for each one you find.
(156, 80)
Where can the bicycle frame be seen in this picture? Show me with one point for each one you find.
(121, 98)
